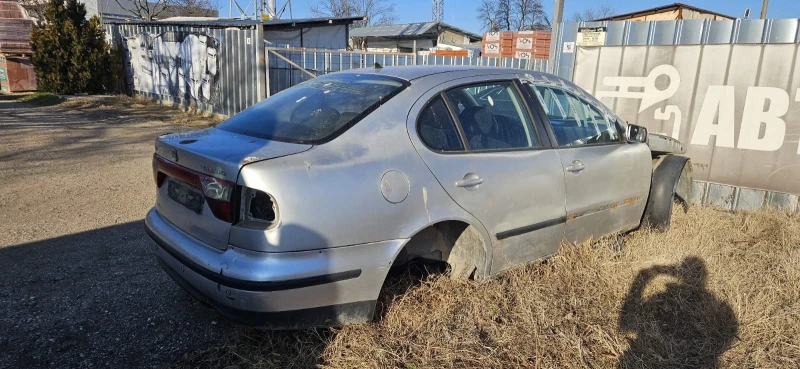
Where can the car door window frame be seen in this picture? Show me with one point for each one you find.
(537, 103)
(461, 136)
(538, 126)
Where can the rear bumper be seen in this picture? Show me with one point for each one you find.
(276, 290)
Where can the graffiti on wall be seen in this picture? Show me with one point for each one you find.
(180, 64)
(735, 107)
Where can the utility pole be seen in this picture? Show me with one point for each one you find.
(764, 7)
(558, 11)
(558, 18)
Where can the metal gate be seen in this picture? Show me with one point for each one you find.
(288, 67)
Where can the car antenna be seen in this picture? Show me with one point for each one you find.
(378, 66)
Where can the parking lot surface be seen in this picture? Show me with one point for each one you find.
(79, 286)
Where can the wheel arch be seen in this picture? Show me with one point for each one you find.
(461, 243)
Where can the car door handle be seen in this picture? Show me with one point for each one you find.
(470, 182)
(575, 167)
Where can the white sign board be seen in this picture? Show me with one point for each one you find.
(492, 37)
(569, 47)
(493, 48)
(525, 43)
(523, 55)
(591, 36)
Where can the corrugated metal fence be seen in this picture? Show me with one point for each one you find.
(729, 90)
(678, 32)
(225, 68)
(209, 68)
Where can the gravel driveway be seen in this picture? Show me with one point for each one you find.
(79, 285)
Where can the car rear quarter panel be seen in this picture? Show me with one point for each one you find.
(330, 195)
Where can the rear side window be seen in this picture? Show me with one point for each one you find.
(575, 122)
(437, 128)
(316, 111)
(493, 117)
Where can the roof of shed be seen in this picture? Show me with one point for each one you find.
(659, 9)
(239, 23)
(408, 30)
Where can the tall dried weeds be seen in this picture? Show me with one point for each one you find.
(718, 289)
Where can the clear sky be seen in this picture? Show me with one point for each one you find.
(462, 13)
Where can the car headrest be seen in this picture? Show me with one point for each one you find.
(477, 119)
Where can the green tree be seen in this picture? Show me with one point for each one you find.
(70, 54)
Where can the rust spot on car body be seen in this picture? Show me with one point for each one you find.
(632, 200)
(611, 206)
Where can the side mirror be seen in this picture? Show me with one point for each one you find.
(636, 133)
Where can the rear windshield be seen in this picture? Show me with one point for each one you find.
(315, 111)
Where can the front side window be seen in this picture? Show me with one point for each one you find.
(437, 129)
(315, 111)
(575, 121)
(493, 117)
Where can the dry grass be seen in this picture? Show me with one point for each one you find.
(126, 108)
(648, 306)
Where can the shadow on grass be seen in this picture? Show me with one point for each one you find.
(682, 326)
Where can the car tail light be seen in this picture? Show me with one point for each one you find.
(217, 192)
(258, 209)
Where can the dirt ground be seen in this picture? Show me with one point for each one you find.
(79, 285)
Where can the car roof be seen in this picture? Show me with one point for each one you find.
(411, 73)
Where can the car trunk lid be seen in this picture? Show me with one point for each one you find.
(196, 175)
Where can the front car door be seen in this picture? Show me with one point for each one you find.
(607, 179)
(495, 161)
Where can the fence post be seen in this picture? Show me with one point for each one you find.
(414, 62)
(262, 65)
(266, 62)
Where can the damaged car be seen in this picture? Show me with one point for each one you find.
(291, 213)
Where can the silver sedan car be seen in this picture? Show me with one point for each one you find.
(291, 213)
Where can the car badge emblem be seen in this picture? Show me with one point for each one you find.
(174, 154)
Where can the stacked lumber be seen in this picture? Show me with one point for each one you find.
(10, 9)
(15, 30)
(443, 52)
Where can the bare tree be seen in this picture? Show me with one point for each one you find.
(377, 12)
(513, 15)
(530, 15)
(487, 14)
(192, 8)
(147, 10)
(144, 9)
(601, 11)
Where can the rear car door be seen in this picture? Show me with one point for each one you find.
(607, 179)
(493, 159)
